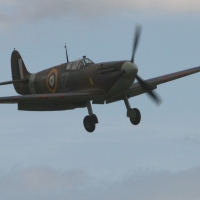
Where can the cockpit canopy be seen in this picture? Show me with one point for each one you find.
(79, 64)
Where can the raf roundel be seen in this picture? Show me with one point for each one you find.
(52, 81)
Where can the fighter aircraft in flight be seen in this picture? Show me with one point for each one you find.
(76, 84)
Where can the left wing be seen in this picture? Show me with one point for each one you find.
(55, 97)
(136, 89)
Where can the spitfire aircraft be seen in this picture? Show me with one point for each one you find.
(76, 84)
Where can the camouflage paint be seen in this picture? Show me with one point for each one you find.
(61, 78)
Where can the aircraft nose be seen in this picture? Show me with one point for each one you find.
(130, 69)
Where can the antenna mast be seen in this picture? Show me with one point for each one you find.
(66, 53)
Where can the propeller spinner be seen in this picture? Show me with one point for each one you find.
(143, 84)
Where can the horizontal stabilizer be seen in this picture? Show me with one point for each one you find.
(15, 81)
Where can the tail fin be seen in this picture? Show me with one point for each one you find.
(19, 72)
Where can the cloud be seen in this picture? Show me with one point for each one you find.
(36, 10)
(46, 183)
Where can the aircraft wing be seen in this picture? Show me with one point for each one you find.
(55, 97)
(136, 89)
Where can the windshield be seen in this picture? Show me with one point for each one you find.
(87, 61)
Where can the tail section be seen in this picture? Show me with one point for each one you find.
(19, 72)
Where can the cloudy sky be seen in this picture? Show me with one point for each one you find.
(50, 155)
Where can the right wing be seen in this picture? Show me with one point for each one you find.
(136, 89)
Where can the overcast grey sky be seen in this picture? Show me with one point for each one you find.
(50, 155)
(36, 10)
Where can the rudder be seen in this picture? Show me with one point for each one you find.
(19, 72)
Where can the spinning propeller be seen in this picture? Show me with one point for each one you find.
(143, 84)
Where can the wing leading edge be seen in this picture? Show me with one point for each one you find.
(73, 96)
(136, 89)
